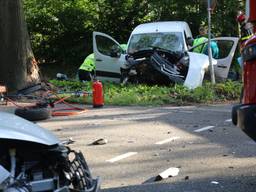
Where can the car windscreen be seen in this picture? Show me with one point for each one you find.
(172, 41)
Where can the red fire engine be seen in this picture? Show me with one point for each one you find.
(244, 115)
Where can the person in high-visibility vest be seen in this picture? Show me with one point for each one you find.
(87, 70)
(123, 46)
(200, 39)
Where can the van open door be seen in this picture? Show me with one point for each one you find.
(227, 48)
(109, 57)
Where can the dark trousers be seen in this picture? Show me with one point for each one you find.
(84, 75)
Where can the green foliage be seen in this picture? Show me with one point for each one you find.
(116, 94)
(59, 30)
(228, 91)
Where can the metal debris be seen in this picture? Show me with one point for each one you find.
(101, 141)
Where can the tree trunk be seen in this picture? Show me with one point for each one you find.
(18, 67)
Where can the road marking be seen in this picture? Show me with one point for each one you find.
(228, 120)
(167, 140)
(203, 129)
(120, 157)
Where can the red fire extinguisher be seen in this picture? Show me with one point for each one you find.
(98, 97)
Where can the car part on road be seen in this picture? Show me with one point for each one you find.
(48, 96)
(34, 88)
(101, 141)
(33, 113)
(33, 160)
(171, 172)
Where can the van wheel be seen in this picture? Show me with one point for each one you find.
(33, 114)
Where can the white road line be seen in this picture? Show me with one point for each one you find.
(120, 157)
(203, 129)
(167, 140)
(228, 120)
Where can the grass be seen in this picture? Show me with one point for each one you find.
(144, 95)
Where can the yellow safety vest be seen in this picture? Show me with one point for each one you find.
(88, 64)
(198, 41)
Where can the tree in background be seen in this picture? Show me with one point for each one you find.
(18, 67)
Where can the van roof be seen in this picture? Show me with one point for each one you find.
(163, 26)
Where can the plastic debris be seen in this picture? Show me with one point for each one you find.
(101, 141)
(171, 172)
(215, 182)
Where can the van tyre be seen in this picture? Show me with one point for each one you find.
(33, 114)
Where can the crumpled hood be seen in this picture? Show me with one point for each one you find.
(17, 128)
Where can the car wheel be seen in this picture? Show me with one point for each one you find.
(33, 114)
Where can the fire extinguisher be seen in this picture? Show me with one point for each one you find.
(98, 97)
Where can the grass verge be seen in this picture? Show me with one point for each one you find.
(116, 94)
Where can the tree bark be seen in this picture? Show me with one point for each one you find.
(18, 67)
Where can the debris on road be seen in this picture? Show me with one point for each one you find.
(215, 182)
(186, 178)
(101, 141)
(171, 172)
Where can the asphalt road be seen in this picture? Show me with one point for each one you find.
(210, 153)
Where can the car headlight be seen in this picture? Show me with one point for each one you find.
(249, 53)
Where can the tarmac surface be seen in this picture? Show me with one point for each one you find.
(139, 143)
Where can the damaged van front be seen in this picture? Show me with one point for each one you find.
(155, 57)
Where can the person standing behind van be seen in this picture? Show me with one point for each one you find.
(200, 39)
(204, 47)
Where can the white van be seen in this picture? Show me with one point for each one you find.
(110, 57)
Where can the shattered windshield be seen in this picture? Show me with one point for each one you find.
(172, 41)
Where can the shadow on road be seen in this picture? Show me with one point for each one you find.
(227, 184)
